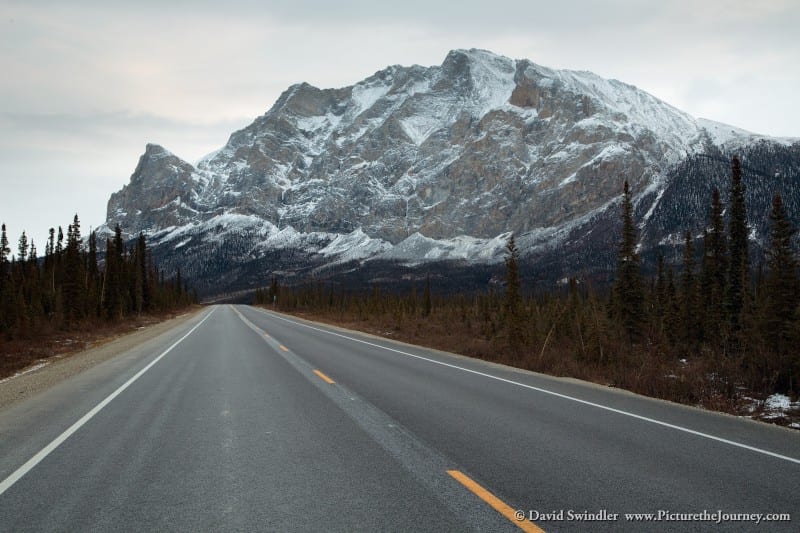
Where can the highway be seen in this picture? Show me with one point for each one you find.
(241, 419)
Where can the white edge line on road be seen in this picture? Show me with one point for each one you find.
(47, 450)
(552, 393)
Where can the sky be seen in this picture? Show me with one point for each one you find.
(86, 84)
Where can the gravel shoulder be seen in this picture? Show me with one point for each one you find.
(42, 376)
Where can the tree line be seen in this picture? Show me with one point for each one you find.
(723, 307)
(710, 329)
(74, 285)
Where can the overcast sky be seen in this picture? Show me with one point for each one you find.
(84, 85)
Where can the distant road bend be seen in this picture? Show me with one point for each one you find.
(242, 419)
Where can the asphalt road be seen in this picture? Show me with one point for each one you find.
(244, 420)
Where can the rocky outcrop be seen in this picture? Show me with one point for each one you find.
(160, 193)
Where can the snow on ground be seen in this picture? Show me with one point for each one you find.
(778, 402)
(34, 368)
(776, 407)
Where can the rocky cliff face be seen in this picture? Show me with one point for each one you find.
(157, 194)
(417, 164)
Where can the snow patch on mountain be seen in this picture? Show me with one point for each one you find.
(732, 137)
(365, 95)
(419, 127)
(493, 79)
(631, 108)
(354, 246)
(418, 248)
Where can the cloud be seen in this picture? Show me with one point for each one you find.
(87, 83)
(192, 59)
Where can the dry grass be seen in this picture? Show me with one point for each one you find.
(17, 354)
(645, 370)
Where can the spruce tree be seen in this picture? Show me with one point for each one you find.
(427, 305)
(111, 294)
(49, 265)
(671, 312)
(688, 294)
(4, 251)
(660, 286)
(51, 243)
(714, 271)
(118, 275)
(738, 265)
(60, 242)
(143, 284)
(22, 249)
(628, 291)
(6, 305)
(274, 289)
(782, 291)
(92, 277)
(513, 301)
(91, 257)
(74, 287)
(179, 286)
(139, 275)
(33, 291)
(719, 259)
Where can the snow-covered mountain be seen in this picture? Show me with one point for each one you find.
(418, 164)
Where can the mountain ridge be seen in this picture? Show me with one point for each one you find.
(460, 154)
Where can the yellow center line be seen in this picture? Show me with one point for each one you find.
(324, 378)
(266, 335)
(496, 503)
(284, 348)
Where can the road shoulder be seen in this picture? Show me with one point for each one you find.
(576, 385)
(57, 369)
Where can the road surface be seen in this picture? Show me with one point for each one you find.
(246, 420)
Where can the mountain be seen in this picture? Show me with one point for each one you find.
(415, 165)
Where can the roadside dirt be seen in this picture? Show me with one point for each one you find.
(48, 372)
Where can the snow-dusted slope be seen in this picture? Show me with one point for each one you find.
(725, 135)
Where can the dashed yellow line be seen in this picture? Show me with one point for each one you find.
(324, 378)
(496, 503)
(284, 348)
(266, 335)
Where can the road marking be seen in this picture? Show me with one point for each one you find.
(421, 461)
(267, 335)
(553, 393)
(324, 378)
(284, 348)
(496, 503)
(47, 450)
